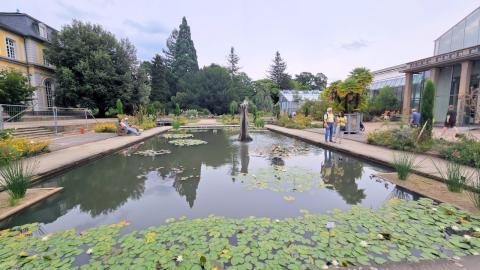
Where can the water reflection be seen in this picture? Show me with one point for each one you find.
(198, 181)
(342, 172)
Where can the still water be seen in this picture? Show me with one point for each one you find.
(222, 178)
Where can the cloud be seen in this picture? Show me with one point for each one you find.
(150, 27)
(354, 45)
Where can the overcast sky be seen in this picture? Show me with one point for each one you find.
(332, 37)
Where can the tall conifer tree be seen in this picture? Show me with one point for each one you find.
(159, 87)
(185, 53)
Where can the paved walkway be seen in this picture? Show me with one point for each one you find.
(51, 123)
(69, 140)
(425, 165)
(55, 162)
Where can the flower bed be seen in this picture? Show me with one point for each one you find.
(398, 231)
(14, 148)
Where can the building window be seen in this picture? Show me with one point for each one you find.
(45, 60)
(11, 48)
(49, 93)
(42, 30)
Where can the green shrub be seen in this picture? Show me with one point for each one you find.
(6, 133)
(402, 138)
(176, 124)
(119, 106)
(259, 123)
(466, 152)
(299, 121)
(403, 164)
(428, 100)
(16, 176)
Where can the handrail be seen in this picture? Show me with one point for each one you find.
(20, 113)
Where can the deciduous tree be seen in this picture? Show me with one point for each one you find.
(94, 69)
(14, 88)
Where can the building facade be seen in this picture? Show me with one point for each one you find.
(454, 68)
(23, 40)
(292, 100)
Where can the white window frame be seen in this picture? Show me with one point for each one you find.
(42, 30)
(49, 92)
(45, 61)
(11, 46)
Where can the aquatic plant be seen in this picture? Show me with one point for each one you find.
(152, 153)
(474, 192)
(398, 231)
(283, 179)
(455, 176)
(187, 142)
(403, 164)
(16, 177)
(177, 136)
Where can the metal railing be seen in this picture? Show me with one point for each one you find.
(32, 113)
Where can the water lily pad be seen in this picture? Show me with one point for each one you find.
(177, 135)
(187, 142)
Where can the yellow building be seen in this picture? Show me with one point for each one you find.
(22, 43)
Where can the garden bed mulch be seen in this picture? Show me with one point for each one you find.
(432, 189)
(33, 196)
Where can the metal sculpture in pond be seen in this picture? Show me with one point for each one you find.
(244, 137)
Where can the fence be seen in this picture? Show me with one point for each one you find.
(31, 113)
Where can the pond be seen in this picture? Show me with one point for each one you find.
(272, 176)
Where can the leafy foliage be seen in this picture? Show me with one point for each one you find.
(351, 94)
(14, 87)
(233, 108)
(466, 152)
(93, 68)
(385, 100)
(314, 109)
(308, 81)
(428, 100)
(398, 231)
(401, 138)
(299, 121)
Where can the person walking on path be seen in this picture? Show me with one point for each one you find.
(328, 122)
(415, 119)
(450, 121)
(341, 124)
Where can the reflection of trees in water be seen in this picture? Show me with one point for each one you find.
(106, 184)
(342, 172)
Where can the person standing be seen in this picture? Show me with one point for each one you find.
(450, 120)
(341, 127)
(415, 119)
(328, 122)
